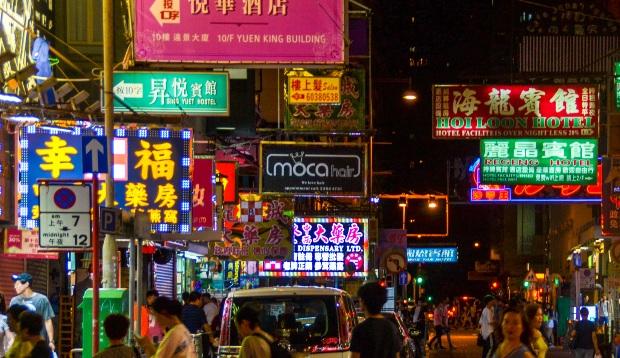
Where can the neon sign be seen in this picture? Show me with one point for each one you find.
(151, 171)
(324, 247)
(481, 193)
(432, 254)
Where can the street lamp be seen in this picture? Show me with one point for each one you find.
(402, 202)
(432, 203)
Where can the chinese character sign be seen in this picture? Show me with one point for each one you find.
(610, 213)
(269, 239)
(175, 93)
(432, 255)
(538, 161)
(151, 171)
(504, 111)
(24, 244)
(533, 193)
(326, 247)
(313, 105)
(240, 31)
(202, 193)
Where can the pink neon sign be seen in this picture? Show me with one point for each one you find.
(235, 31)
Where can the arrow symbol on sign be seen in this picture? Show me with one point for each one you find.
(94, 147)
(128, 90)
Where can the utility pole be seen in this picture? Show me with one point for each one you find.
(109, 244)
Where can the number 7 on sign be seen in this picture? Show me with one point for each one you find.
(77, 219)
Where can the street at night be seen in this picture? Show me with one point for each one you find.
(309, 178)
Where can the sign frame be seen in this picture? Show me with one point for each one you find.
(363, 168)
(301, 32)
(67, 214)
(473, 124)
(126, 100)
(525, 167)
(452, 250)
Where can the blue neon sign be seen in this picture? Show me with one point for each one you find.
(432, 254)
(151, 171)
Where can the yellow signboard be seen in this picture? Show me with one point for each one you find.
(303, 90)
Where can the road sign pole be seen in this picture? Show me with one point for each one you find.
(96, 276)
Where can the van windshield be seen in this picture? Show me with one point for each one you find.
(300, 321)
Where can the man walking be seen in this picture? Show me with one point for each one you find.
(584, 336)
(487, 325)
(35, 302)
(603, 311)
(438, 322)
(376, 337)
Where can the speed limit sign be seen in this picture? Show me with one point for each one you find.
(65, 221)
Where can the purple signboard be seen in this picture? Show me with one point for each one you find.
(235, 31)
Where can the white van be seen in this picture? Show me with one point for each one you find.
(309, 321)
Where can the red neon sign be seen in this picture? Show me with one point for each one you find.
(541, 193)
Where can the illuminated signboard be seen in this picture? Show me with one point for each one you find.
(324, 247)
(504, 111)
(313, 90)
(226, 173)
(432, 255)
(335, 169)
(538, 161)
(610, 213)
(151, 171)
(202, 200)
(491, 193)
(264, 233)
(172, 93)
(252, 32)
(310, 109)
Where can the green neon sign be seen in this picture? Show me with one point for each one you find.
(617, 83)
(538, 161)
(171, 93)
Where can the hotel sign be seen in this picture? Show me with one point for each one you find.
(505, 111)
(538, 161)
(174, 93)
(432, 255)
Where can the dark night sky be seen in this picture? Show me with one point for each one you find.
(457, 40)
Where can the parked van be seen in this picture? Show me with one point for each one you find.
(309, 321)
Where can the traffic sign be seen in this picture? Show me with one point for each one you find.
(65, 216)
(403, 278)
(95, 151)
(110, 220)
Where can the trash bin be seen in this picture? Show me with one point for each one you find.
(111, 300)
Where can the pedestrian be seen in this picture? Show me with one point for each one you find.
(534, 318)
(603, 311)
(583, 336)
(256, 342)
(30, 327)
(185, 297)
(487, 325)
(6, 336)
(438, 322)
(193, 317)
(36, 302)
(116, 327)
(210, 308)
(149, 326)
(177, 342)
(376, 336)
(15, 347)
(446, 324)
(515, 336)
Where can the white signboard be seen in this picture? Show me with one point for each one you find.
(65, 216)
